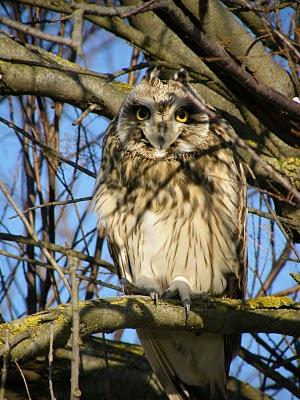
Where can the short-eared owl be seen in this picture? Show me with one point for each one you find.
(171, 195)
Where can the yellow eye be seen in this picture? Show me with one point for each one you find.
(181, 115)
(142, 113)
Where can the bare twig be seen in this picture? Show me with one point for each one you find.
(34, 236)
(6, 352)
(263, 214)
(92, 279)
(24, 380)
(91, 289)
(46, 148)
(55, 203)
(133, 64)
(75, 391)
(268, 371)
(288, 291)
(293, 247)
(85, 113)
(295, 276)
(50, 358)
(277, 267)
(34, 32)
(55, 247)
(121, 11)
(130, 69)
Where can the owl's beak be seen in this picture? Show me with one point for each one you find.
(161, 141)
(162, 128)
(160, 138)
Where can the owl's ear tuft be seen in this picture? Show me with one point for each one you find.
(152, 74)
(181, 76)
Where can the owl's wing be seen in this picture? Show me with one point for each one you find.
(237, 284)
(163, 370)
(107, 178)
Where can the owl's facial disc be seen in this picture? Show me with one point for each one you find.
(161, 131)
(159, 120)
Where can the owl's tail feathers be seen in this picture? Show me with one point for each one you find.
(189, 367)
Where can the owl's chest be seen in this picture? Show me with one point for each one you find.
(180, 227)
(182, 212)
(177, 192)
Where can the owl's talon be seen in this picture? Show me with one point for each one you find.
(136, 289)
(154, 296)
(187, 306)
(205, 297)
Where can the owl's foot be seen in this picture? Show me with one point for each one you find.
(205, 297)
(179, 288)
(144, 287)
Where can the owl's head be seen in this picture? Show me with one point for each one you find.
(159, 119)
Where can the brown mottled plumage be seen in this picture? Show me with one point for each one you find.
(171, 195)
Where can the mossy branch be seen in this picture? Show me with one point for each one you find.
(24, 72)
(30, 336)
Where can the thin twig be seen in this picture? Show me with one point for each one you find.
(24, 380)
(256, 362)
(46, 148)
(121, 11)
(34, 236)
(287, 292)
(75, 363)
(263, 214)
(85, 113)
(134, 59)
(55, 203)
(276, 268)
(6, 352)
(55, 247)
(50, 358)
(293, 247)
(90, 279)
(34, 32)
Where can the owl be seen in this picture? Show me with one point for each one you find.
(171, 195)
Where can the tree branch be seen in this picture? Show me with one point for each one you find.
(129, 371)
(34, 32)
(59, 249)
(36, 77)
(285, 112)
(30, 336)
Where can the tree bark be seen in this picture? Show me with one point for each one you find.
(30, 336)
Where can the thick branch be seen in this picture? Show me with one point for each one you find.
(285, 123)
(26, 73)
(128, 373)
(30, 336)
